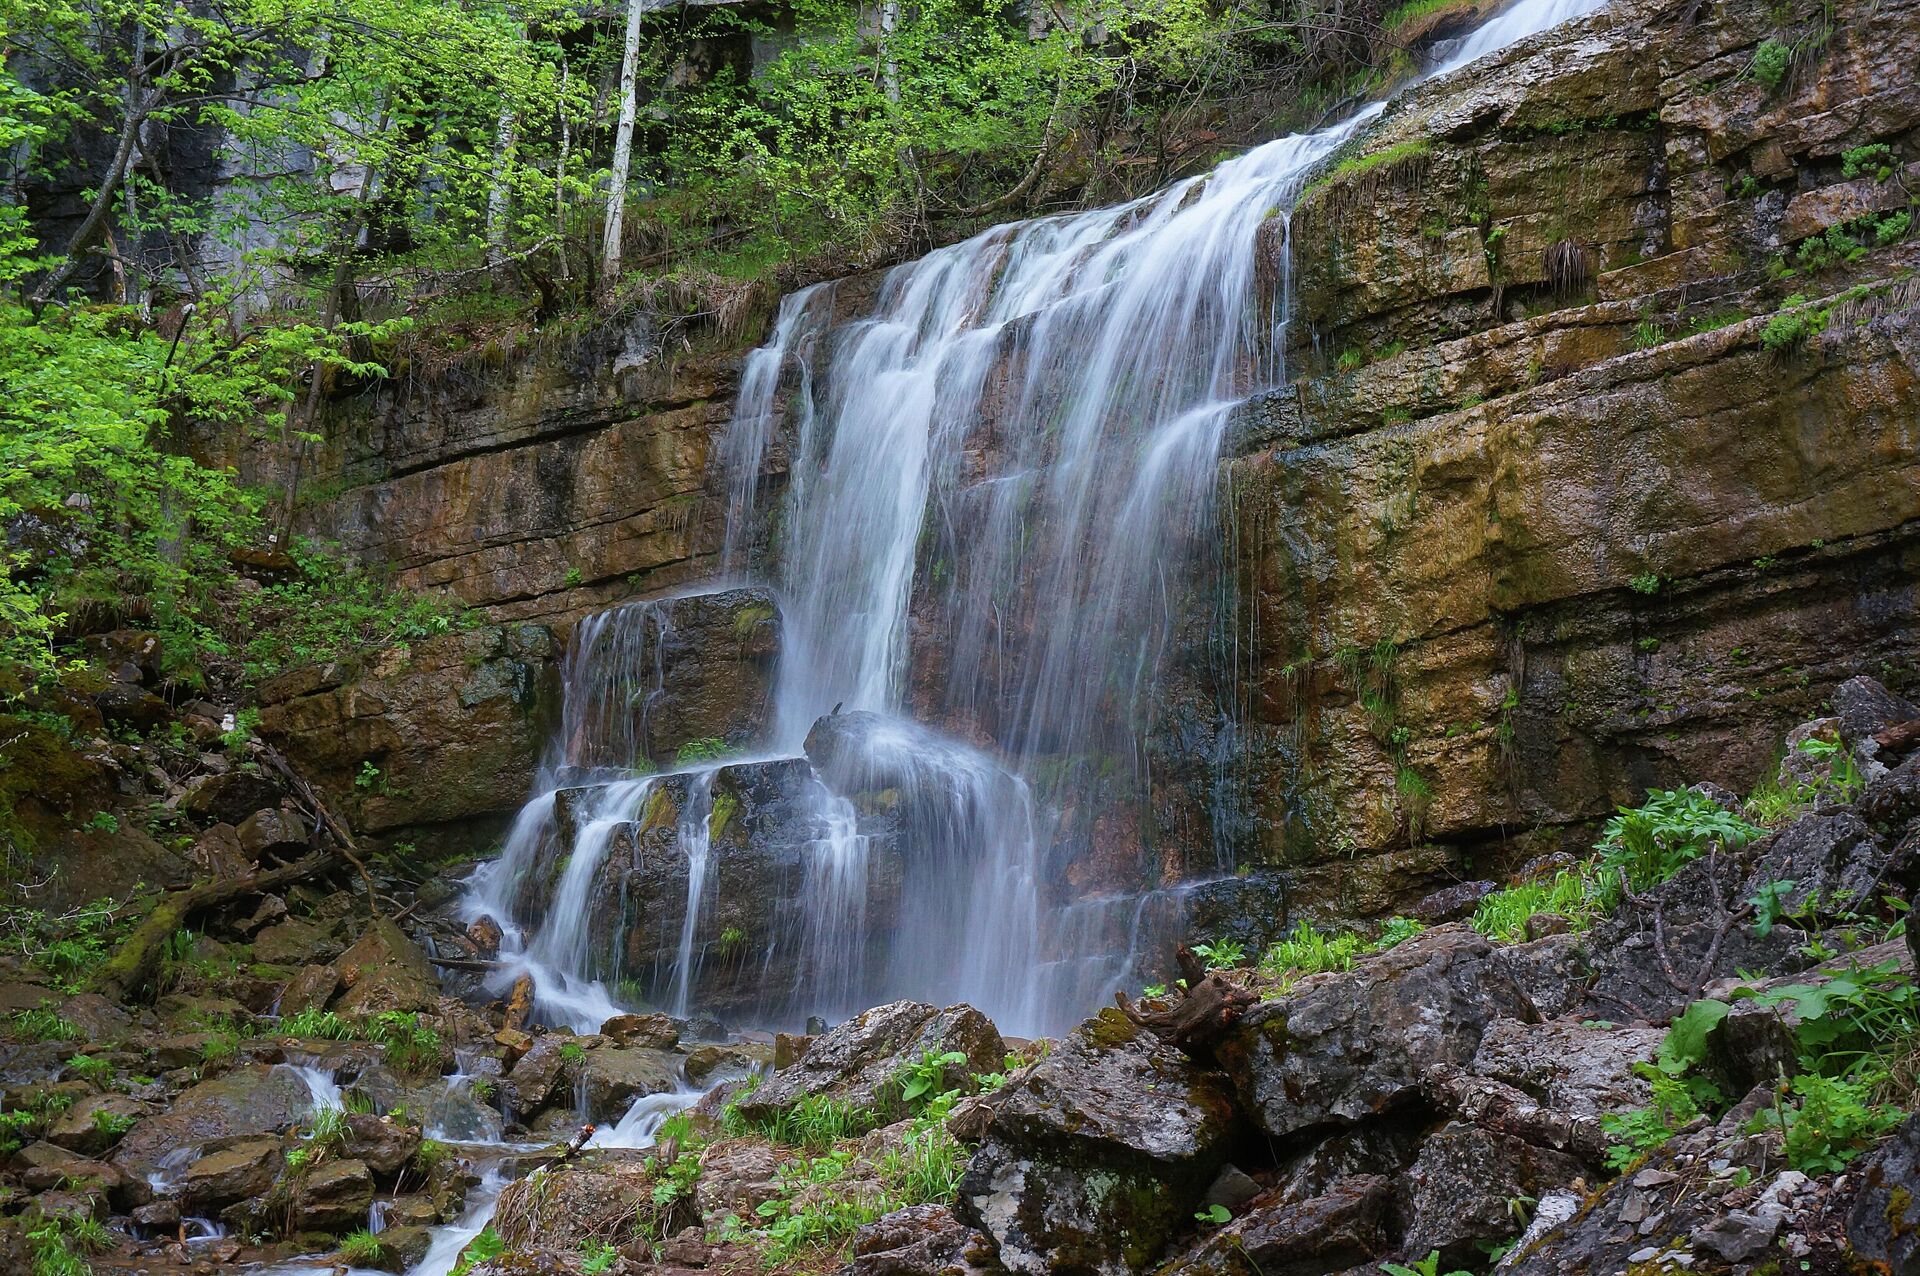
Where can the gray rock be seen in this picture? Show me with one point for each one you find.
(1095, 1156)
(1342, 1047)
(922, 1240)
(1460, 1190)
(228, 798)
(1344, 1227)
(251, 1099)
(614, 1076)
(272, 832)
(236, 1170)
(1884, 1223)
(1574, 1069)
(1451, 903)
(332, 1197)
(858, 1060)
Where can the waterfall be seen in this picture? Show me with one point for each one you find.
(1000, 479)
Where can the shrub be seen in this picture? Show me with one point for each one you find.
(1222, 954)
(1652, 842)
(1771, 62)
(1396, 931)
(1570, 893)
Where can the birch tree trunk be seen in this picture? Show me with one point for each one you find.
(622, 147)
(506, 136)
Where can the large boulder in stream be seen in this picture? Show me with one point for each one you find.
(250, 1100)
(754, 828)
(1092, 1158)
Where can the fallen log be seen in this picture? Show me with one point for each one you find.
(132, 972)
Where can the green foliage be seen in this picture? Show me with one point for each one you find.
(93, 1069)
(1640, 1130)
(572, 1052)
(1222, 954)
(245, 723)
(1830, 1121)
(1571, 893)
(1771, 62)
(1875, 159)
(918, 1078)
(1396, 931)
(597, 1257)
(42, 1024)
(315, 1022)
(362, 1248)
(1306, 951)
(113, 1124)
(409, 1044)
(818, 1121)
(1644, 583)
(1652, 842)
(1215, 1214)
(429, 1156)
(483, 1248)
(1428, 1266)
(59, 1243)
(694, 752)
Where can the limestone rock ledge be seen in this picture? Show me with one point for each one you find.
(1573, 496)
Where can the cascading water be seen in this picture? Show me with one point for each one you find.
(996, 481)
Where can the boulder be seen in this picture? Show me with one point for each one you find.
(614, 1076)
(1344, 1227)
(297, 941)
(1865, 708)
(1884, 1224)
(1341, 1047)
(219, 854)
(651, 1032)
(311, 988)
(1461, 1189)
(129, 705)
(1372, 1149)
(273, 831)
(1249, 910)
(736, 1177)
(857, 1061)
(89, 1126)
(385, 970)
(1829, 854)
(1551, 971)
(42, 1165)
(921, 1240)
(333, 1196)
(1452, 903)
(237, 1170)
(250, 1099)
(228, 798)
(530, 1082)
(382, 1144)
(1093, 1157)
(1579, 1070)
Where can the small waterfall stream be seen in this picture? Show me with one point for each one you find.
(998, 481)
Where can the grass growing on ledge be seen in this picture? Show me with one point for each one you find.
(1358, 166)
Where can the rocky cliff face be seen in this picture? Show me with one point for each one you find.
(1570, 498)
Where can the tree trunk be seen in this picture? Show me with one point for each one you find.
(139, 103)
(622, 147)
(506, 135)
(560, 178)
